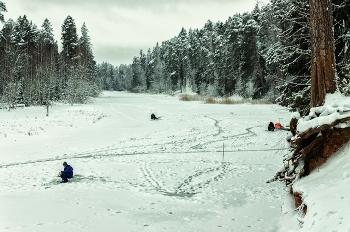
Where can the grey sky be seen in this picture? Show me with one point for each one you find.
(120, 28)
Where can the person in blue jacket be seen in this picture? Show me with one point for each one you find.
(66, 173)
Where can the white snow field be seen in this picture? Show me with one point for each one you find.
(135, 174)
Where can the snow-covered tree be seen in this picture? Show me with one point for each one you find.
(2, 9)
(29, 60)
(7, 54)
(47, 65)
(86, 57)
(341, 22)
(11, 94)
(78, 65)
(137, 81)
(249, 57)
(69, 39)
(289, 56)
(25, 36)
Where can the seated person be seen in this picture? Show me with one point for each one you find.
(66, 173)
(271, 127)
(153, 116)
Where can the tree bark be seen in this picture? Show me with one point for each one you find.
(323, 59)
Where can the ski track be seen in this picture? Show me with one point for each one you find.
(167, 145)
(124, 149)
(197, 179)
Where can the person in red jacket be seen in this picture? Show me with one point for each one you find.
(66, 173)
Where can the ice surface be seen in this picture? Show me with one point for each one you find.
(135, 174)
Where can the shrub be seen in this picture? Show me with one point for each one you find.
(210, 100)
(227, 101)
(187, 97)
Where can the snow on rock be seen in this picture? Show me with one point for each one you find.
(336, 107)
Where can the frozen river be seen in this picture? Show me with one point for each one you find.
(135, 174)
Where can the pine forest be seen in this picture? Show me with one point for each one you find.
(262, 54)
(34, 72)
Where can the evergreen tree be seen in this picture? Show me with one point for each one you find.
(195, 59)
(79, 70)
(86, 55)
(158, 72)
(69, 47)
(9, 65)
(25, 37)
(137, 76)
(149, 70)
(7, 55)
(124, 75)
(183, 66)
(207, 63)
(33, 73)
(341, 22)
(220, 52)
(291, 53)
(233, 51)
(2, 9)
(47, 67)
(171, 63)
(249, 57)
(102, 70)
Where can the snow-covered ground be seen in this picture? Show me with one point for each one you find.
(134, 174)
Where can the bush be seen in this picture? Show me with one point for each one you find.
(187, 97)
(210, 100)
(227, 101)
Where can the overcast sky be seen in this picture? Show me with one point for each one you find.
(120, 28)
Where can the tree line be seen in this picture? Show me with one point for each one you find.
(34, 72)
(265, 53)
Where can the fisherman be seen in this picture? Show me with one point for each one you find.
(153, 116)
(66, 173)
(271, 127)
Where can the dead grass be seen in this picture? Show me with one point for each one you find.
(227, 101)
(186, 97)
(210, 100)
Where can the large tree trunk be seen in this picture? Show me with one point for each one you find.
(323, 60)
(313, 147)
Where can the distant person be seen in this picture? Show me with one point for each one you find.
(278, 125)
(66, 173)
(153, 116)
(271, 127)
